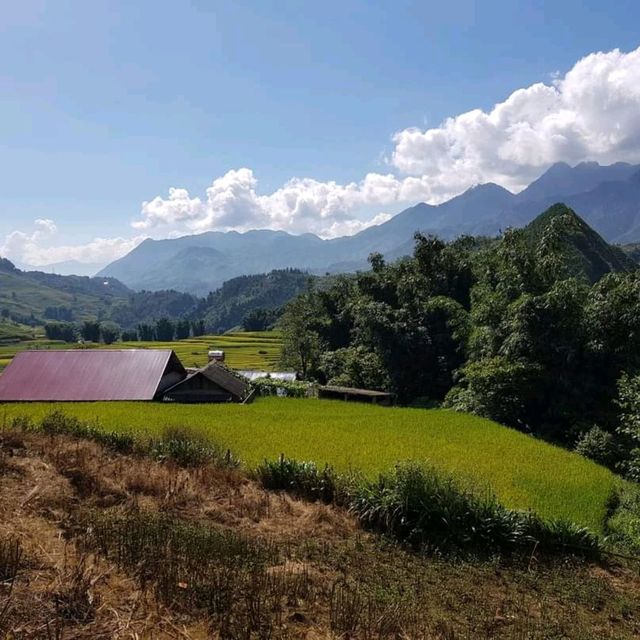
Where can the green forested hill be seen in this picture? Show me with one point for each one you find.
(30, 296)
(227, 306)
(33, 297)
(585, 252)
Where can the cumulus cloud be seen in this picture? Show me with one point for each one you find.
(590, 113)
(301, 205)
(38, 247)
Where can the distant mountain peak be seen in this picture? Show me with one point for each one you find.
(487, 187)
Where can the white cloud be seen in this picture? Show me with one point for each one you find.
(37, 248)
(592, 113)
(301, 205)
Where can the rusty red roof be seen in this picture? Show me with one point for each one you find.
(84, 375)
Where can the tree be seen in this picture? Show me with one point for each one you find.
(90, 331)
(197, 328)
(301, 346)
(260, 319)
(109, 332)
(59, 313)
(182, 329)
(146, 332)
(354, 367)
(130, 335)
(628, 402)
(499, 389)
(165, 330)
(65, 331)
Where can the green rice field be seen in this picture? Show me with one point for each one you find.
(243, 350)
(523, 472)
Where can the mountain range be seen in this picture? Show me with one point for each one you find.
(606, 197)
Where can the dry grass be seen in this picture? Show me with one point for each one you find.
(323, 577)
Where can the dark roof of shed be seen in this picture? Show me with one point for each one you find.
(223, 377)
(353, 391)
(86, 375)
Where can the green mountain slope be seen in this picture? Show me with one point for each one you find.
(586, 254)
(27, 295)
(227, 306)
(33, 297)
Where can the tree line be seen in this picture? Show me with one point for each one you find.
(505, 329)
(108, 332)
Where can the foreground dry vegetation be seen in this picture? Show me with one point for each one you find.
(96, 544)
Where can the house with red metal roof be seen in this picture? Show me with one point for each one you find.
(90, 375)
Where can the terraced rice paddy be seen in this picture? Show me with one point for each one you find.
(250, 350)
(523, 472)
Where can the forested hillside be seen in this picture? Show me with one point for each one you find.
(34, 298)
(539, 330)
(240, 297)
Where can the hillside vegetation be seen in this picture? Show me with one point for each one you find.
(523, 472)
(229, 305)
(585, 253)
(97, 543)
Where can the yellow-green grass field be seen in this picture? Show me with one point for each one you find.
(244, 350)
(523, 472)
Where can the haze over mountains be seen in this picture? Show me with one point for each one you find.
(606, 197)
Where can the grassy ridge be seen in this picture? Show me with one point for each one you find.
(250, 350)
(524, 473)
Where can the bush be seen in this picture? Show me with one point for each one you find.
(598, 445)
(109, 332)
(429, 510)
(302, 479)
(23, 423)
(272, 387)
(188, 449)
(623, 527)
(58, 423)
(498, 389)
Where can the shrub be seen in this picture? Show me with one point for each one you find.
(57, 422)
(598, 445)
(23, 423)
(271, 387)
(430, 510)
(302, 479)
(188, 449)
(423, 507)
(623, 526)
(630, 468)
(499, 389)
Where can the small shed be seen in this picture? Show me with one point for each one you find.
(213, 383)
(216, 355)
(355, 395)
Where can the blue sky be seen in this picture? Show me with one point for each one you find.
(109, 104)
